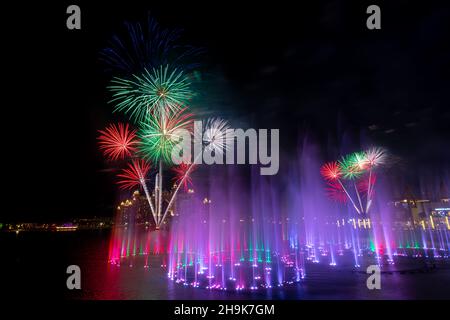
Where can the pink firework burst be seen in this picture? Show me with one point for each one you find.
(134, 174)
(336, 192)
(182, 174)
(363, 185)
(117, 141)
(331, 170)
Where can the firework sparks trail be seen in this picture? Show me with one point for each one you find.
(216, 139)
(160, 193)
(180, 174)
(149, 200)
(134, 176)
(353, 166)
(366, 187)
(348, 195)
(159, 134)
(359, 197)
(375, 157)
(190, 167)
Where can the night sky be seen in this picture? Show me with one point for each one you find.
(307, 67)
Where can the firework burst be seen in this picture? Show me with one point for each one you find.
(375, 157)
(134, 175)
(154, 92)
(161, 132)
(117, 141)
(331, 170)
(359, 160)
(147, 45)
(336, 192)
(365, 186)
(353, 165)
(214, 137)
(182, 174)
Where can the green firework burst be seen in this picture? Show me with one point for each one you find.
(152, 92)
(353, 165)
(160, 132)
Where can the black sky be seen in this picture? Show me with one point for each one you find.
(305, 66)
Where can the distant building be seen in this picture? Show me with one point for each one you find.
(426, 213)
(136, 210)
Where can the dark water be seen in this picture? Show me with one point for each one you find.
(34, 267)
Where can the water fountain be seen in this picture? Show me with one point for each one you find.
(239, 231)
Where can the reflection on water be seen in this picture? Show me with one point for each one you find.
(36, 263)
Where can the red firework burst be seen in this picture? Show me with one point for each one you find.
(183, 171)
(134, 175)
(336, 192)
(363, 185)
(117, 141)
(331, 170)
(180, 119)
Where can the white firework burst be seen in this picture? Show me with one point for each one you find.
(376, 156)
(214, 135)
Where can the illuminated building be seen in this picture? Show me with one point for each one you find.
(426, 213)
(136, 210)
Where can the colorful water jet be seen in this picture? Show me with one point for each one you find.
(232, 239)
(237, 232)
